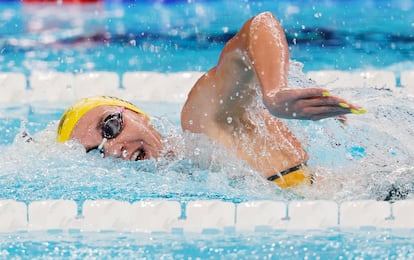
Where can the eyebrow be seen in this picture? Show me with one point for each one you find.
(99, 123)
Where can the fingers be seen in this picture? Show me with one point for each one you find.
(328, 101)
(309, 104)
(312, 93)
(332, 102)
(322, 97)
(321, 112)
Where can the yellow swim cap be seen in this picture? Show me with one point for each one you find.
(77, 110)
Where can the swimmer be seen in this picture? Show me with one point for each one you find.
(253, 64)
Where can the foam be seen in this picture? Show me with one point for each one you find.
(58, 87)
(203, 216)
(343, 79)
(407, 81)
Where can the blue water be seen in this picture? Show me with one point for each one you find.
(345, 35)
(330, 244)
(359, 161)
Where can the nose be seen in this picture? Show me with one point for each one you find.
(114, 149)
(126, 149)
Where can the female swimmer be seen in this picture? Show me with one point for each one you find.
(221, 105)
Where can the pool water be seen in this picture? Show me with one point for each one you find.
(140, 35)
(330, 244)
(359, 161)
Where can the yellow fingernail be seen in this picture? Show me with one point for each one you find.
(358, 112)
(362, 111)
(343, 105)
(326, 94)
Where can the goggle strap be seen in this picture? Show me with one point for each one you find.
(100, 147)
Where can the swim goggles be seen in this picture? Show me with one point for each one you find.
(111, 127)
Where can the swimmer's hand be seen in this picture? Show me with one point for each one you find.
(307, 104)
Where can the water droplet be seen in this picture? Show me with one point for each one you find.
(190, 122)
(197, 151)
(124, 153)
(318, 15)
(229, 120)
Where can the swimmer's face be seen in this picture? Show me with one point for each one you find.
(135, 140)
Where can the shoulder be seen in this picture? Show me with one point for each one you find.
(200, 109)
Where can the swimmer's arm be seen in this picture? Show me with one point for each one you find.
(257, 54)
(268, 49)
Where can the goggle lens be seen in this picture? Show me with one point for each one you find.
(111, 128)
(112, 125)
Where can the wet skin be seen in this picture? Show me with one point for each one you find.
(253, 63)
(137, 140)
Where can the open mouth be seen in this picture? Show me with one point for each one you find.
(139, 155)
